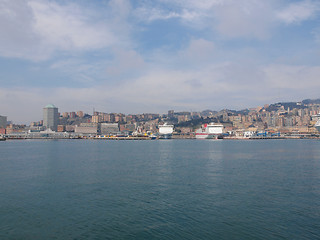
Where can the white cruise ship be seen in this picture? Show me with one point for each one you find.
(165, 131)
(317, 125)
(209, 131)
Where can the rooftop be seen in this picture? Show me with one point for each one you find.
(50, 106)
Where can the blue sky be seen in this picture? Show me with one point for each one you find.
(152, 56)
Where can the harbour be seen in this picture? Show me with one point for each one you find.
(177, 189)
(174, 135)
(268, 122)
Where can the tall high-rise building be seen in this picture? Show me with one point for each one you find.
(3, 122)
(50, 117)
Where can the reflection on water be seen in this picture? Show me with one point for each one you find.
(174, 189)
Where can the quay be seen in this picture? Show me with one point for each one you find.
(25, 137)
(53, 136)
(149, 138)
(123, 138)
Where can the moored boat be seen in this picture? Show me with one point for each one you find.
(210, 131)
(165, 131)
(317, 125)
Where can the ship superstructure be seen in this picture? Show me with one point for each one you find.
(165, 131)
(317, 125)
(209, 131)
(317, 118)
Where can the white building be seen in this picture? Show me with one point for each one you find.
(87, 128)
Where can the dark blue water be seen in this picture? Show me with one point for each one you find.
(175, 189)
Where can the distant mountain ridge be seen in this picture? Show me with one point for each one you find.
(311, 101)
(272, 107)
(221, 116)
(291, 105)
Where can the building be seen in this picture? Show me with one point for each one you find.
(183, 118)
(70, 128)
(2, 131)
(130, 127)
(50, 117)
(80, 114)
(72, 114)
(48, 133)
(65, 114)
(95, 119)
(109, 128)
(61, 128)
(3, 122)
(87, 128)
(14, 128)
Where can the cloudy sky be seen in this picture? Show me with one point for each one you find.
(152, 56)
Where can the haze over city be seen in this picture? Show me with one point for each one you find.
(152, 56)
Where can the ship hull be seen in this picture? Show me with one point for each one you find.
(165, 136)
(209, 131)
(205, 136)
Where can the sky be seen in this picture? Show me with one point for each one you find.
(152, 56)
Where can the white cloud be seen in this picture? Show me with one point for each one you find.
(215, 86)
(197, 53)
(119, 74)
(198, 50)
(38, 29)
(244, 19)
(35, 29)
(192, 13)
(316, 34)
(191, 4)
(79, 71)
(67, 27)
(230, 18)
(293, 77)
(151, 14)
(234, 85)
(299, 11)
(122, 66)
(126, 63)
(17, 38)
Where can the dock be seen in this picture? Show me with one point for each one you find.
(123, 138)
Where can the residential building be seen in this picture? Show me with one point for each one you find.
(80, 114)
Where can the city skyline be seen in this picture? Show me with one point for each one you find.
(286, 119)
(170, 113)
(135, 56)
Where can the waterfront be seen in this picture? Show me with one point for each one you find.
(166, 189)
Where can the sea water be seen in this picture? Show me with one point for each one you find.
(161, 189)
